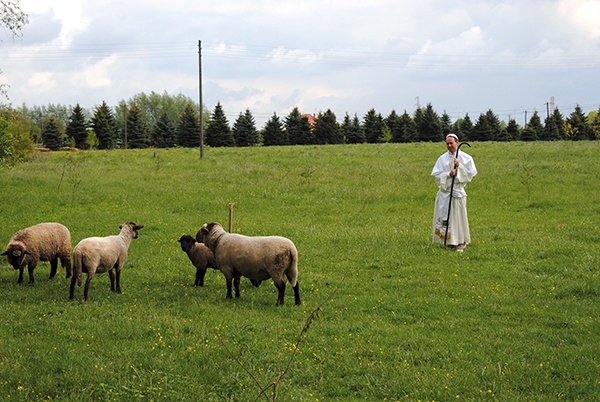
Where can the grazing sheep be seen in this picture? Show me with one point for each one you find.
(200, 256)
(257, 258)
(41, 242)
(100, 254)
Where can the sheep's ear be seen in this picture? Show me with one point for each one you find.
(5, 253)
(138, 227)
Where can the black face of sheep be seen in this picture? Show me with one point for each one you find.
(257, 258)
(200, 256)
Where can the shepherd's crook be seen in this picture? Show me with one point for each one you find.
(451, 189)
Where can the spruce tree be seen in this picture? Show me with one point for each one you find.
(218, 132)
(513, 131)
(393, 122)
(352, 130)
(529, 134)
(373, 126)
(188, 130)
(429, 125)
(51, 135)
(327, 130)
(77, 128)
(138, 132)
(446, 124)
(104, 126)
(535, 123)
(578, 124)
(298, 128)
(244, 130)
(595, 126)
(550, 131)
(482, 131)
(408, 128)
(466, 127)
(560, 123)
(494, 123)
(273, 133)
(164, 134)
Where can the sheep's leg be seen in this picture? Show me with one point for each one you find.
(66, 264)
(30, 269)
(72, 289)
(200, 277)
(115, 280)
(111, 274)
(53, 267)
(87, 286)
(20, 280)
(118, 281)
(297, 294)
(236, 284)
(281, 292)
(229, 283)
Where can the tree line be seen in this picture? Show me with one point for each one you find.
(163, 121)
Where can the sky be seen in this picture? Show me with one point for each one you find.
(350, 56)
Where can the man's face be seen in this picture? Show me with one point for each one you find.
(451, 144)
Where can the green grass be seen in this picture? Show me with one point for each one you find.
(514, 317)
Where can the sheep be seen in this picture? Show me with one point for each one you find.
(42, 242)
(257, 258)
(200, 256)
(100, 254)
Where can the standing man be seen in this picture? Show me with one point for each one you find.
(462, 170)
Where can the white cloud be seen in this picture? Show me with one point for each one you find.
(349, 56)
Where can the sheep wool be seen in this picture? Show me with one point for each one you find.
(257, 258)
(200, 256)
(102, 254)
(49, 241)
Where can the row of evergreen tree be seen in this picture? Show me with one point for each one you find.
(162, 121)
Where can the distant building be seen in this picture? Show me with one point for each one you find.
(312, 120)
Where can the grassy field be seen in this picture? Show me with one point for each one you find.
(386, 314)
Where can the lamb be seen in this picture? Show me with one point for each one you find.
(200, 256)
(257, 258)
(42, 242)
(100, 254)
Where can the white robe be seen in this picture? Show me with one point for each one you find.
(458, 225)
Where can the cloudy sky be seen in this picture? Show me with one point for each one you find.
(462, 56)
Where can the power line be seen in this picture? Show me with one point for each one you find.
(283, 55)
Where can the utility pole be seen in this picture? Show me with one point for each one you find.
(200, 98)
(547, 109)
(125, 122)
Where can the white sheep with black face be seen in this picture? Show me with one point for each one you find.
(42, 242)
(102, 254)
(258, 258)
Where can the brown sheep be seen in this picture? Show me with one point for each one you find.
(200, 256)
(42, 242)
(257, 258)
